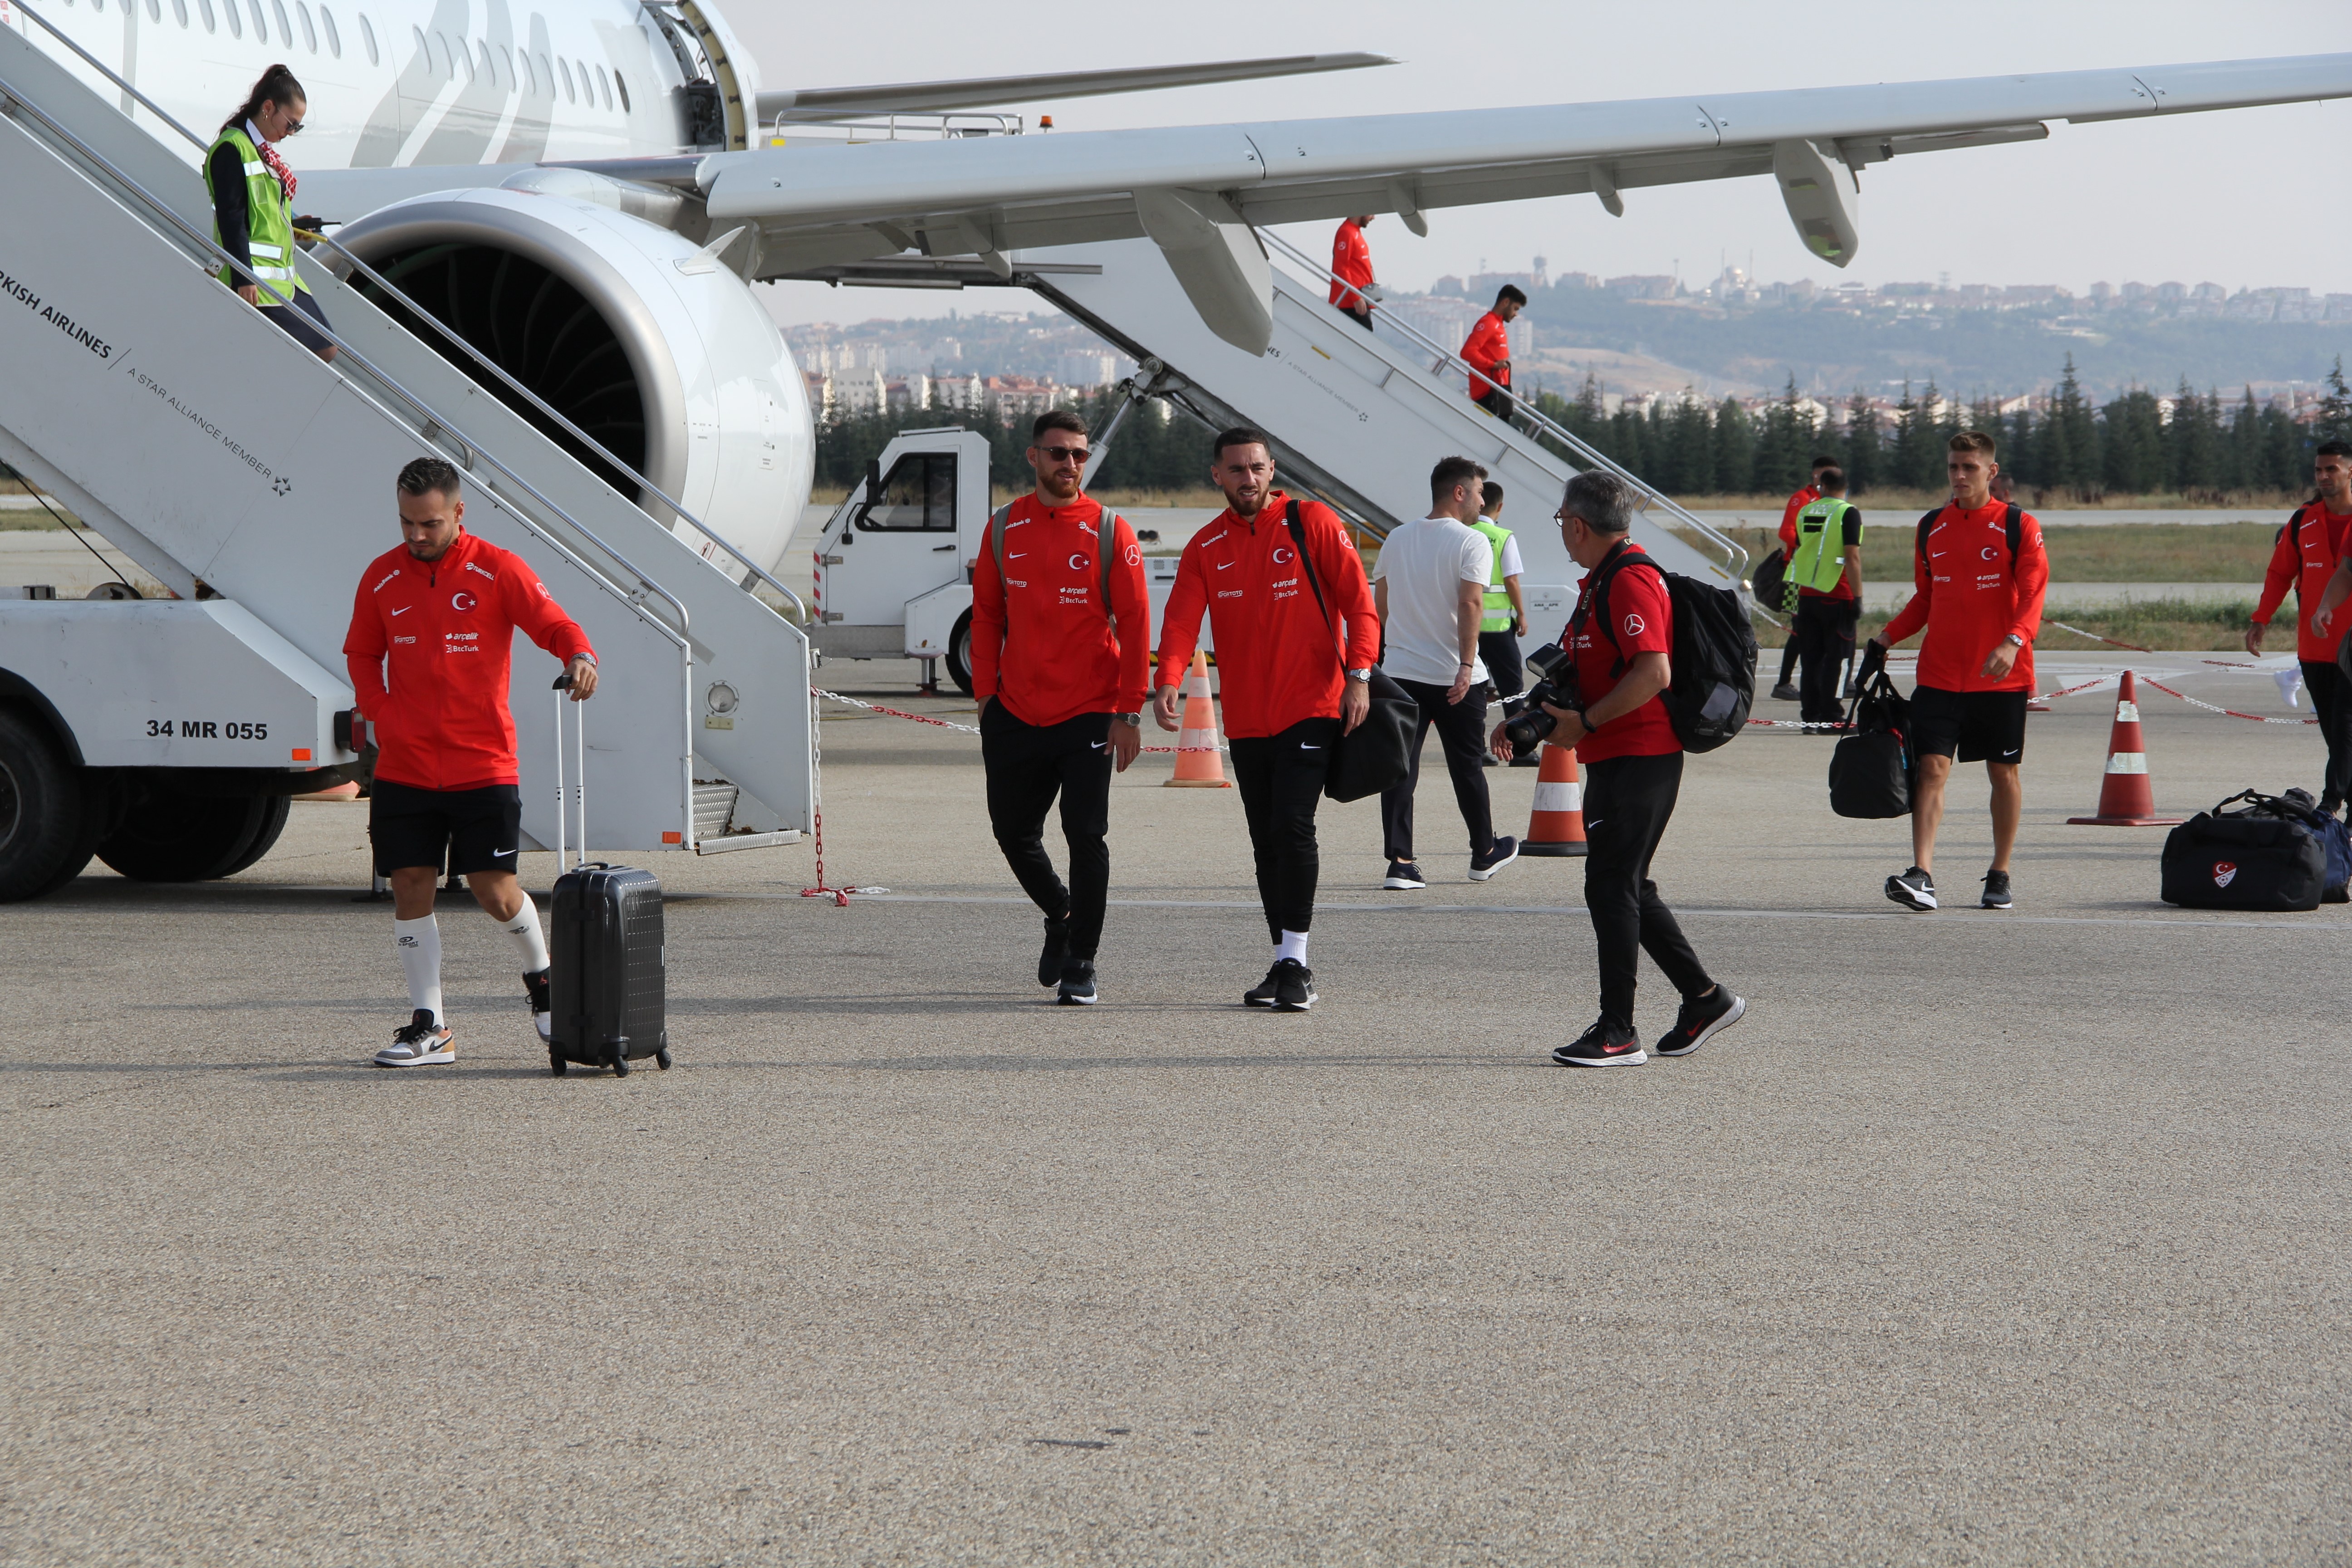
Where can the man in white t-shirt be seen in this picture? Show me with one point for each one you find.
(1431, 591)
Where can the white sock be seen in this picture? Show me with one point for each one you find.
(1292, 945)
(527, 940)
(419, 942)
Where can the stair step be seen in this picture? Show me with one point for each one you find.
(714, 808)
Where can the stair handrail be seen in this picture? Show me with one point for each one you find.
(680, 636)
(384, 283)
(1735, 553)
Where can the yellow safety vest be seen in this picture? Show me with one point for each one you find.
(269, 218)
(1497, 617)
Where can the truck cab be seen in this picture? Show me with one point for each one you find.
(893, 563)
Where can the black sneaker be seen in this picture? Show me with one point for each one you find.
(1056, 951)
(1913, 890)
(1786, 692)
(1077, 983)
(1996, 893)
(1294, 986)
(1403, 875)
(542, 1004)
(1603, 1047)
(1701, 1019)
(1262, 995)
(1500, 852)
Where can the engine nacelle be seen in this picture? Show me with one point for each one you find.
(655, 349)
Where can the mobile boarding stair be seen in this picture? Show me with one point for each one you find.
(212, 449)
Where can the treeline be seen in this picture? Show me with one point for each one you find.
(1149, 452)
(2210, 447)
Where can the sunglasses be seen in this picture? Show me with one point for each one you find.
(1065, 454)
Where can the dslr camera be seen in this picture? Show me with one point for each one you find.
(1533, 726)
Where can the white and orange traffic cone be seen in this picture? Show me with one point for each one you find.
(2126, 798)
(1556, 826)
(348, 790)
(1198, 763)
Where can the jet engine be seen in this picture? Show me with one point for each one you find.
(649, 344)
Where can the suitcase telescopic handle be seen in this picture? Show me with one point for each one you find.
(563, 801)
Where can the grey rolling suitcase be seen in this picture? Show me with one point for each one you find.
(607, 985)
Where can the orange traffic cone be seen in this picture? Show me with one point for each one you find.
(348, 790)
(1198, 764)
(2126, 799)
(1556, 826)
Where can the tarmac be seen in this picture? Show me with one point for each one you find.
(1987, 1238)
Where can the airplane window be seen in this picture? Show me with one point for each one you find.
(448, 67)
(155, 10)
(180, 10)
(604, 86)
(529, 79)
(489, 66)
(235, 25)
(285, 29)
(334, 36)
(507, 55)
(547, 73)
(465, 56)
(260, 23)
(205, 10)
(565, 66)
(623, 83)
(367, 36)
(309, 33)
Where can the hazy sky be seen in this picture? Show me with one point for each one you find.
(2246, 197)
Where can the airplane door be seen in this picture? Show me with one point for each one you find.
(901, 544)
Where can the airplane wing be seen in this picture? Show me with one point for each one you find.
(1198, 191)
(825, 103)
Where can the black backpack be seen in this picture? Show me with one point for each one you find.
(1714, 657)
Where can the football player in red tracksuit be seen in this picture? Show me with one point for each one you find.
(1060, 676)
(1981, 605)
(1294, 677)
(1488, 352)
(1352, 270)
(431, 642)
(1787, 689)
(2310, 551)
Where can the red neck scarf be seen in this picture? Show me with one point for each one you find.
(276, 164)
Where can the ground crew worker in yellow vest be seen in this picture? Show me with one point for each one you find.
(1506, 620)
(1825, 575)
(253, 206)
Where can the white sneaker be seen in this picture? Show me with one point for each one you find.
(420, 1043)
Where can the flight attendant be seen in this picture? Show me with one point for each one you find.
(253, 205)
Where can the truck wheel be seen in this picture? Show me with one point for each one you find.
(959, 654)
(193, 838)
(46, 820)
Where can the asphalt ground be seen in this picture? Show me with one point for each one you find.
(1985, 1238)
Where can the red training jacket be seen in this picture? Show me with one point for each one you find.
(1796, 503)
(1489, 342)
(2307, 562)
(1642, 620)
(1352, 261)
(442, 631)
(1040, 642)
(1278, 659)
(1971, 595)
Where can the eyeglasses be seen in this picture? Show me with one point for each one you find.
(1065, 454)
(293, 128)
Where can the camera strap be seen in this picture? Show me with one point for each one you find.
(1596, 598)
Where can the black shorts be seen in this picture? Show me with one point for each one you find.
(475, 829)
(1980, 726)
(300, 321)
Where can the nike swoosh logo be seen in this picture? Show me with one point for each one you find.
(1592, 822)
(1016, 555)
(1224, 565)
(1305, 747)
(500, 854)
(1098, 745)
(404, 609)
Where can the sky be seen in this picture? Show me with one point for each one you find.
(2243, 198)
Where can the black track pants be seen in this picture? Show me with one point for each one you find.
(1029, 764)
(2331, 701)
(1627, 803)
(1280, 778)
(1462, 731)
(1823, 633)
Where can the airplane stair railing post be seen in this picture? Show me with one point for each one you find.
(420, 314)
(1448, 361)
(15, 102)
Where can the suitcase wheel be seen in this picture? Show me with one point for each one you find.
(662, 1058)
(620, 1065)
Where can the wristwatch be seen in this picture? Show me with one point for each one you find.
(2013, 640)
(1364, 675)
(1135, 720)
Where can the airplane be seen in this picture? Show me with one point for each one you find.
(621, 167)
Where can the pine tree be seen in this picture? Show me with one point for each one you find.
(1735, 448)
(2070, 413)
(2335, 420)
(2133, 452)
(1862, 444)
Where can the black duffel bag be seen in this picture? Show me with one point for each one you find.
(1377, 753)
(1770, 582)
(2264, 857)
(1870, 770)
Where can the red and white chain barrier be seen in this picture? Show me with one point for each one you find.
(2094, 636)
(2211, 708)
(967, 728)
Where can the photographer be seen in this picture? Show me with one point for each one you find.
(1620, 646)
